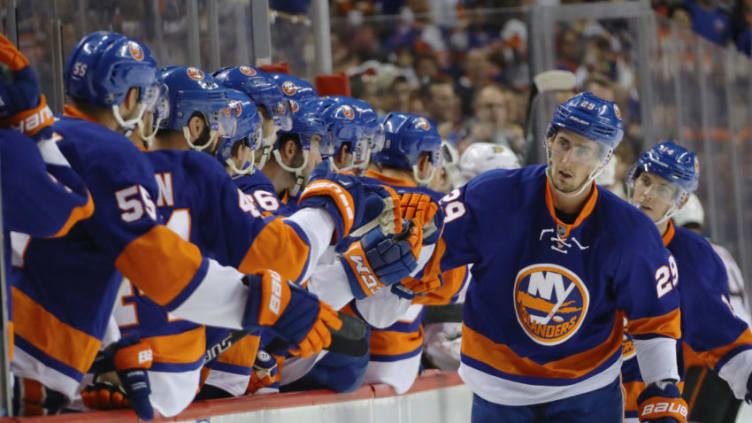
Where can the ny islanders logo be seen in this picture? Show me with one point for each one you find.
(550, 302)
(289, 88)
(136, 51)
(195, 73)
(423, 124)
(247, 71)
(348, 112)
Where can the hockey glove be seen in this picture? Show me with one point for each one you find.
(376, 261)
(662, 402)
(22, 107)
(121, 379)
(265, 375)
(354, 206)
(290, 312)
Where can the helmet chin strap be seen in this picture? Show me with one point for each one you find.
(297, 171)
(423, 181)
(148, 139)
(130, 124)
(212, 139)
(248, 170)
(267, 145)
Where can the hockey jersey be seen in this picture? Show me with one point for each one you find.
(709, 326)
(396, 348)
(67, 287)
(543, 318)
(260, 188)
(42, 197)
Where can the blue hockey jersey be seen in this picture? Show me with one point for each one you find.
(543, 317)
(66, 292)
(709, 326)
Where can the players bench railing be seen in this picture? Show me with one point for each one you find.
(436, 397)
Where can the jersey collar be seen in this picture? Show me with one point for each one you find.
(73, 112)
(563, 229)
(669, 235)
(390, 180)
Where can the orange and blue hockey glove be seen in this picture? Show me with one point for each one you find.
(662, 402)
(22, 106)
(290, 312)
(377, 260)
(356, 207)
(121, 379)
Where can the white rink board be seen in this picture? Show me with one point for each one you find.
(443, 405)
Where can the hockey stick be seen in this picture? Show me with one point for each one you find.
(546, 81)
(451, 313)
(349, 340)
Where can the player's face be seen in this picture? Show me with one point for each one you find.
(314, 155)
(573, 159)
(653, 195)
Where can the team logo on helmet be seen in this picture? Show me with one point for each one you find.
(550, 302)
(294, 106)
(289, 88)
(697, 166)
(136, 51)
(348, 112)
(617, 111)
(423, 124)
(195, 73)
(248, 71)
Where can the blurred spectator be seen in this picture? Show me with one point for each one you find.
(441, 106)
(709, 20)
(477, 75)
(491, 121)
(600, 86)
(681, 16)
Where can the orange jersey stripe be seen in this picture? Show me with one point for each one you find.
(587, 209)
(711, 357)
(668, 325)
(243, 353)
(77, 214)
(632, 390)
(182, 348)
(386, 342)
(502, 358)
(453, 280)
(43, 330)
(160, 263)
(277, 247)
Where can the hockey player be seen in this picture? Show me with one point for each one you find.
(42, 196)
(276, 111)
(443, 340)
(373, 132)
(70, 283)
(660, 184)
(558, 263)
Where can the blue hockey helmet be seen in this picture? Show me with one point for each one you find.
(407, 138)
(590, 116)
(248, 132)
(673, 163)
(294, 88)
(261, 88)
(344, 127)
(191, 91)
(104, 66)
(373, 127)
(306, 125)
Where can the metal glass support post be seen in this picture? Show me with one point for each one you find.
(5, 383)
(158, 34)
(11, 27)
(57, 60)
(321, 36)
(646, 35)
(262, 38)
(241, 34)
(707, 144)
(213, 35)
(194, 43)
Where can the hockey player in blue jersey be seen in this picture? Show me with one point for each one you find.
(660, 184)
(558, 264)
(41, 195)
(261, 89)
(70, 283)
